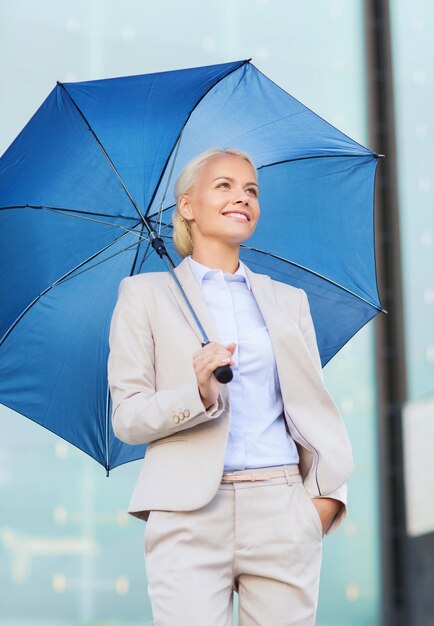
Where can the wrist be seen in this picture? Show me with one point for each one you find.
(206, 403)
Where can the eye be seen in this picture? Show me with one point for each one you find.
(253, 190)
(225, 184)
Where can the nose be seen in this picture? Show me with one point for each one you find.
(242, 197)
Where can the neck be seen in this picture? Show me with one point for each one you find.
(216, 255)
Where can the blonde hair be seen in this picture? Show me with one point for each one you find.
(182, 239)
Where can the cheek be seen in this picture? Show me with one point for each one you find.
(206, 213)
(257, 213)
(209, 207)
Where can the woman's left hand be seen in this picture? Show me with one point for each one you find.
(327, 509)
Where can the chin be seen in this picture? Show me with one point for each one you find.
(241, 231)
(232, 236)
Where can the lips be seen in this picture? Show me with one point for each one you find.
(240, 216)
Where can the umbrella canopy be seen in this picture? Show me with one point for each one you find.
(99, 159)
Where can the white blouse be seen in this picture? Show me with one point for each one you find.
(257, 432)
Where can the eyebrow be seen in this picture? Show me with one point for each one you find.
(232, 180)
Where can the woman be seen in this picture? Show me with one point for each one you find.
(240, 482)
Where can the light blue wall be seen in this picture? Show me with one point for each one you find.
(413, 59)
(68, 552)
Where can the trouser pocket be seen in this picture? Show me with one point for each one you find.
(312, 510)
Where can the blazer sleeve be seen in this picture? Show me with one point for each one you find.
(140, 413)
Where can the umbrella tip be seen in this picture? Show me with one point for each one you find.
(107, 472)
(248, 60)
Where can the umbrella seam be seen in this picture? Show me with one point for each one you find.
(104, 151)
(329, 280)
(54, 284)
(291, 160)
(241, 65)
(62, 210)
(313, 112)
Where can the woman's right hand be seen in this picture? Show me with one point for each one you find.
(205, 362)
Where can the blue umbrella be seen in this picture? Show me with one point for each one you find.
(86, 196)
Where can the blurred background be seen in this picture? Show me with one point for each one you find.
(69, 552)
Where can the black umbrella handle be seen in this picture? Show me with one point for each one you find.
(223, 373)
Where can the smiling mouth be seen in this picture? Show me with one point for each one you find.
(237, 217)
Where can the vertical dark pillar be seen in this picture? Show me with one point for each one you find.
(390, 353)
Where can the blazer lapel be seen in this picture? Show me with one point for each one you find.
(264, 295)
(281, 327)
(196, 299)
(290, 350)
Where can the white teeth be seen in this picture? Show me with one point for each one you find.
(244, 217)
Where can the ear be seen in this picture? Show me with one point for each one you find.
(184, 207)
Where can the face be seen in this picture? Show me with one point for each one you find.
(223, 202)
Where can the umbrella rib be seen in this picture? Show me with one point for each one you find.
(63, 210)
(171, 206)
(147, 254)
(137, 250)
(130, 247)
(175, 154)
(90, 219)
(58, 281)
(103, 150)
(166, 225)
(307, 269)
(320, 156)
(299, 158)
(107, 429)
(82, 217)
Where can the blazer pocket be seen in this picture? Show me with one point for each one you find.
(164, 441)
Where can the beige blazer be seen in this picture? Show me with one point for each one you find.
(155, 396)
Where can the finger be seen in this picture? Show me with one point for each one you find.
(214, 346)
(206, 368)
(216, 361)
(215, 354)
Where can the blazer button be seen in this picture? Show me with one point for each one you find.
(186, 413)
(181, 416)
(176, 418)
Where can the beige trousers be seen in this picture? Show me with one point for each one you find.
(262, 539)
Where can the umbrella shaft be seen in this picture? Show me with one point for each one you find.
(223, 373)
(158, 245)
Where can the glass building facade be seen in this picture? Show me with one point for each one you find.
(69, 553)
